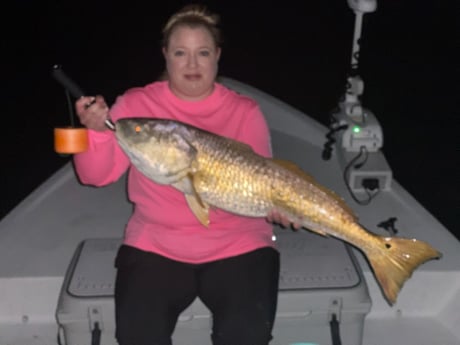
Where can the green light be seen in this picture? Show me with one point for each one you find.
(356, 129)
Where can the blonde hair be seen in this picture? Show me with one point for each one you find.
(193, 16)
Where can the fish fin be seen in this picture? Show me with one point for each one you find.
(199, 208)
(395, 262)
(185, 184)
(242, 146)
(303, 174)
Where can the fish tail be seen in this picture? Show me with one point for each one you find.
(394, 263)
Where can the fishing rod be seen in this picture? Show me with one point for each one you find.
(71, 139)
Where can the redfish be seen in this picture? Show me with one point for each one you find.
(214, 171)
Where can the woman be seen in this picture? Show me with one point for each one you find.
(168, 258)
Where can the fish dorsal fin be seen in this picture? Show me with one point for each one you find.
(239, 145)
(301, 173)
(199, 208)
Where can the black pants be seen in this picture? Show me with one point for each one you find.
(151, 291)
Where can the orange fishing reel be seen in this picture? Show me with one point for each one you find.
(71, 139)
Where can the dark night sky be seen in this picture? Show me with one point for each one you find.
(298, 51)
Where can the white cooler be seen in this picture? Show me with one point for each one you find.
(323, 298)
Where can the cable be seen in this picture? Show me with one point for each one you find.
(355, 165)
(335, 330)
(96, 334)
(60, 328)
(334, 127)
(354, 69)
(327, 151)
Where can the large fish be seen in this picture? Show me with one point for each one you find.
(215, 171)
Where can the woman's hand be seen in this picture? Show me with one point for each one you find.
(92, 112)
(278, 218)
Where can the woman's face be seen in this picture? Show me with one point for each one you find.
(191, 60)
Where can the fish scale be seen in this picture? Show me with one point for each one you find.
(234, 189)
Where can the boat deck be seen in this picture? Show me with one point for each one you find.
(39, 237)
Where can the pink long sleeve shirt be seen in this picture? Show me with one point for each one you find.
(162, 222)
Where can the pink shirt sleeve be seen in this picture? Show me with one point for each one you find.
(104, 161)
(255, 132)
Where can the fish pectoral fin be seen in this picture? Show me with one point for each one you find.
(242, 146)
(199, 208)
(185, 184)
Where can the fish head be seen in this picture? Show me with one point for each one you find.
(160, 149)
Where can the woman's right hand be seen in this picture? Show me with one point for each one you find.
(92, 112)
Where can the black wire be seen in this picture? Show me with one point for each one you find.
(96, 334)
(59, 334)
(335, 330)
(354, 70)
(327, 151)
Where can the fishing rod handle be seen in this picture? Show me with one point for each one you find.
(66, 82)
(75, 90)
